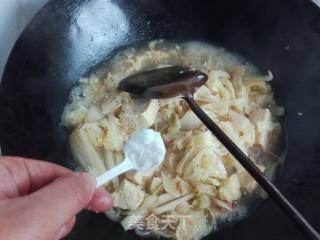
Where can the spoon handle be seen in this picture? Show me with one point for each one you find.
(124, 166)
(245, 161)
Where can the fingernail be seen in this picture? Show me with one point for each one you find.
(105, 201)
(102, 201)
(62, 232)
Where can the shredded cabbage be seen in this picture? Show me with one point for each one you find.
(198, 174)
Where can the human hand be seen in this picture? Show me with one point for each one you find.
(39, 200)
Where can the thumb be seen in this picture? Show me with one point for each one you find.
(61, 200)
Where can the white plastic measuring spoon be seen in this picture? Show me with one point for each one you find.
(144, 151)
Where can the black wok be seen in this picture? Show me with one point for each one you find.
(67, 39)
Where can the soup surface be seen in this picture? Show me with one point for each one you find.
(199, 183)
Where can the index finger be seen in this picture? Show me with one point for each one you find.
(21, 176)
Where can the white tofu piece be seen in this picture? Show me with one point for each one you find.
(204, 94)
(190, 121)
(262, 120)
(143, 114)
(138, 177)
(247, 182)
(135, 217)
(93, 114)
(129, 196)
(230, 189)
(147, 111)
(73, 114)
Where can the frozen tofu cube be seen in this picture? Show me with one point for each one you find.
(190, 121)
(203, 93)
(263, 123)
(148, 111)
(129, 196)
(73, 114)
(143, 114)
(230, 189)
(247, 182)
(140, 178)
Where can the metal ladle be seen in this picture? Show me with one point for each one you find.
(182, 82)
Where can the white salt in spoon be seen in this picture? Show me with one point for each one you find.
(144, 151)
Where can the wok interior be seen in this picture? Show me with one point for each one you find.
(68, 39)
